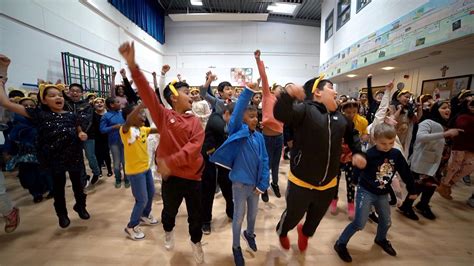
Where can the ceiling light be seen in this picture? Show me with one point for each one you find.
(283, 8)
(351, 75)
(196, 2)
(388, 68)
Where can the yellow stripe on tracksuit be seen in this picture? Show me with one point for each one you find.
(295, 180)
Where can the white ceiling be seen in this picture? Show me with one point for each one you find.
(450, 51)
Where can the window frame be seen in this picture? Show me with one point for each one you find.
(330, 17)
(359, 5)
(341, 13)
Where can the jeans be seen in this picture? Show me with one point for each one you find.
(89, 148)
(244, 196)
(174, 189)
(117, 156)
(143, 190)
(364, 202)
(6, 205)
(274, 145)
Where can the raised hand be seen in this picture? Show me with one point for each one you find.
(127, 50)
(165, 69)
(389, 85)
(123, 73)
(253, 86)
(296, 92)
(257, 54)
(4, 63)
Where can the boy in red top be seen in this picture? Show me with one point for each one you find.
(178, 157)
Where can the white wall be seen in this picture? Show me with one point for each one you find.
(416, 76)
(290, 52)
(33, 34)
(372, 17)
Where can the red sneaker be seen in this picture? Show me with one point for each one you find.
(12, 220)
(285, 242)
(302, 239)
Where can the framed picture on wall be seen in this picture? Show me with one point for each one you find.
(446, 87)
(240, 76)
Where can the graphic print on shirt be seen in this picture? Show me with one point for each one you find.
(385, 173)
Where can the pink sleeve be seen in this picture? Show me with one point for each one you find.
(149, 98)
(263, 76)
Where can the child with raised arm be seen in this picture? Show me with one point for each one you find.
(59, 144)
(383, 161)
(272, 128)
(137, 168)
(179, 154)
(244, 153)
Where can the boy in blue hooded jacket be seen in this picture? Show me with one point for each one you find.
(245, 155)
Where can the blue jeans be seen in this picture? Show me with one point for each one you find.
(89, 148)
(364, 202)
(274, 145)
(6, 204)
(117, 156)
(143, 190)
(243, 195)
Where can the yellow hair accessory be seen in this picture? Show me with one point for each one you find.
(316, 82)
(89, 94)
(464, 92)
(25, 99)
(43, 87)
(194, 89)
(99, 99)
(173, 89)
(402, 92)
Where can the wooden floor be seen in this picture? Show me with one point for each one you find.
(39, 241)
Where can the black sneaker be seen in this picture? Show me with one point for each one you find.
(206, 228)
(94, 179)
(64, 221)
(373, 217)
(238, 257)
(265, 196)
(408, 212)
(387, 247)
(425, 211)
(250, 239)
(83, 214)
(276, 190)
(342, 251)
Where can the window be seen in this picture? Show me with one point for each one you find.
(329, 25)
(361, 4)
(343, 12)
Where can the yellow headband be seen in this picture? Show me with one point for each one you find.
(26, 98)
(89, 94)
(43, 87)
(99, 99)
(316, 82)
(402, 92)
(463, 92)
(173, 89)
(194, 89)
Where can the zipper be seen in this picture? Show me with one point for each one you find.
(329, 149)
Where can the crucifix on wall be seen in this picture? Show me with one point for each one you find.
(443, 71)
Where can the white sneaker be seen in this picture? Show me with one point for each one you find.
(134, 233)
(197, 252)
(150, 220)
(169, 240)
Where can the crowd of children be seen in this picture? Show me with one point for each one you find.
(235, 140)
